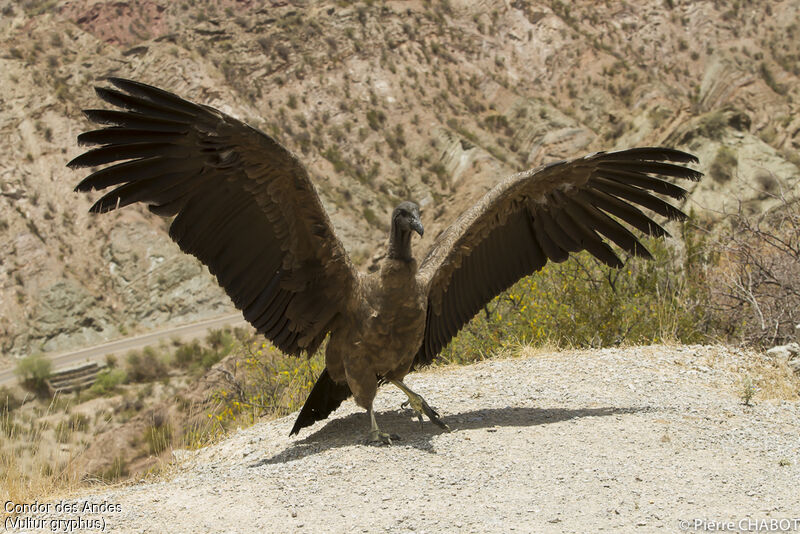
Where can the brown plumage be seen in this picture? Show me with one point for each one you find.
(244, 205)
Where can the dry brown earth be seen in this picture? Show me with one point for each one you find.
(622, 440)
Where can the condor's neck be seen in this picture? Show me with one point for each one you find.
(400, 244)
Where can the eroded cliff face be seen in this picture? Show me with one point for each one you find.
(383, 101)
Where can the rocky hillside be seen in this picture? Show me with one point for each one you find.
(428, 100)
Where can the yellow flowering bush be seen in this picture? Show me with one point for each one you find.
(265, 382)
(581, 302)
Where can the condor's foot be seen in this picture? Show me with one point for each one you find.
(420, 406)
(375, 435)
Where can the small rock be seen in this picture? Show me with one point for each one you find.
(790, 351)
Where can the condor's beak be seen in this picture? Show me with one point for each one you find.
(416, 225)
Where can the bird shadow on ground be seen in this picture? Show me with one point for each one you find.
(352, 429)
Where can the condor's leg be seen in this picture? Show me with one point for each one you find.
(375, 435)
(364, 385)
(420, 406)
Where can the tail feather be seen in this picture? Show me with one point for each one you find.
(325, 397)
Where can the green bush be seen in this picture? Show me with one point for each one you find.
(196, 356)
(219, 339)
(145, 366)
(375, 119)
(769, 79)
(498, 123)
(188, 353)
(712, 125)
(107, 381)
(584, 303)
(34, 370)
(266, 382)
(370, 217)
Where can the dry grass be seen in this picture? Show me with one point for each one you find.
(33, 465)
(772, 378)
(768, 378)
(42, 440)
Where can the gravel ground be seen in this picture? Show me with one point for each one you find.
(623, 440)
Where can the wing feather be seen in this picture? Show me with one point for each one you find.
(128, 119)
(551, 249)
(144, 104)
(555, 232)
(587, 239)
(123, 136)
(540, 215)
(639, 196)
(607, 226)
(644, 181)
(627, 212)
(243, 205)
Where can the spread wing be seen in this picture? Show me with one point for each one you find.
(540, 215)
(243, 204)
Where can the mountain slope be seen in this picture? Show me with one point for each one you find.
(433, 101)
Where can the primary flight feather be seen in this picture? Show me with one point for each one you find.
(245, 206)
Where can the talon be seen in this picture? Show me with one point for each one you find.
(378, 437)
(434, 416)
(419, 405)
(375, 435)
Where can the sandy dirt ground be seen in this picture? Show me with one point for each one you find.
(641, 439)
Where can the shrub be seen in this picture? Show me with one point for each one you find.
(769, 79)
(264, 381)
(370, 217)
(582, 302)
(748, 390)
(107, 381)
(8, 401)
(265, 43)
(724, 165)
(188, 353)
(375, 119)
(117, 469)
(145, 366)
(757, 282)
(712, 125)
(66, 428)
(219, 339)
(497, 122)
(34, 370)
(333, 155)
